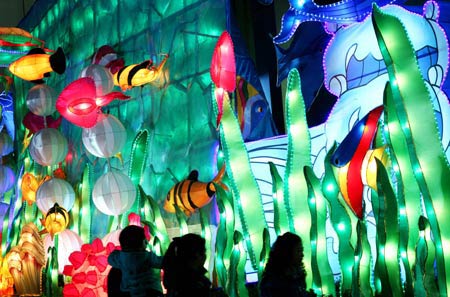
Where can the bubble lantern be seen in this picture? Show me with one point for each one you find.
(48, 147)
(55, 190)
(7, 178)
(68, 242)
(106, 138)
(41, 100)
(102, 77)
(114, 193)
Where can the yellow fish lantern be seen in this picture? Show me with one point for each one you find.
(138, 74)
(56, 220)
(37, 64)
(369, 175)
(191, 194)
(29, 186)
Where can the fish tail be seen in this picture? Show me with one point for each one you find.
(219, 175)
(161, 65)
(58, 61)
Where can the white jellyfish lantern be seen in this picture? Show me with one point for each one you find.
(106, 138)
(114, 193)
(102, 77)
(55, 190)
(48, 147)
(41, 100)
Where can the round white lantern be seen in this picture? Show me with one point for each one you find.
(6, 144)
(106, 138)
(102, 77)
(55, 190)
(68, 242)
(114, 193)
(7, 178)
(41, 100)
(48, 147)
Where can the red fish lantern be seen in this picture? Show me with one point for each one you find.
(223, 69)
(80, 104)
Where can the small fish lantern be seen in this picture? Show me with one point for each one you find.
(113, 193)
(106, 138)
(55, 190)
(41, 100)
(37, 64)
(48, 147)
(56, 220)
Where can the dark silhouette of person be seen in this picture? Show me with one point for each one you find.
(138, 269)
(184, 274)
(284, 274)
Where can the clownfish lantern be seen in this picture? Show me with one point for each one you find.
(37, 64)
(191, 194)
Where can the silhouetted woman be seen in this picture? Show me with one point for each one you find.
(284, 274)
(184, 274)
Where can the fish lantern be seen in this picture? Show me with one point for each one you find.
(55, 190)
(37, 64)
(102, 77)
(106, 138)
(48, 147)
(41, 100)
(113, 193)
(68, 242)
(80, 104)
(6, 144)
(136, 75)
(223, 69)
(7, 179)
(56, 220)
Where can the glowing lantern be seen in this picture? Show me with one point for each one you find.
(37, 64)
(29, 186)
(102, 77)
(68, 242)
(106, 138)
(53, 191)
(7, 178)
(223, 69)
(6, 144)
(223, 65)
(25, 262)
(114, 193)
(56, 220)
(41, 100)
(48, 147)
(88, 270)
(80, 104)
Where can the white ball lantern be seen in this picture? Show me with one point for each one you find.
(102, 77)
(68, 242)
(48, 147)
(7, 179)
(55, 190)
(41, 100)
(113, 193)
(6, 144)
(106, 138)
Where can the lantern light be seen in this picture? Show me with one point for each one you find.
(48, 147)
(41, 100)
(106, 138)
(55, 190)
(114, 193)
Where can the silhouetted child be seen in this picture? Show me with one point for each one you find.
(284, 274)
(184, 274)
(139, 267)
